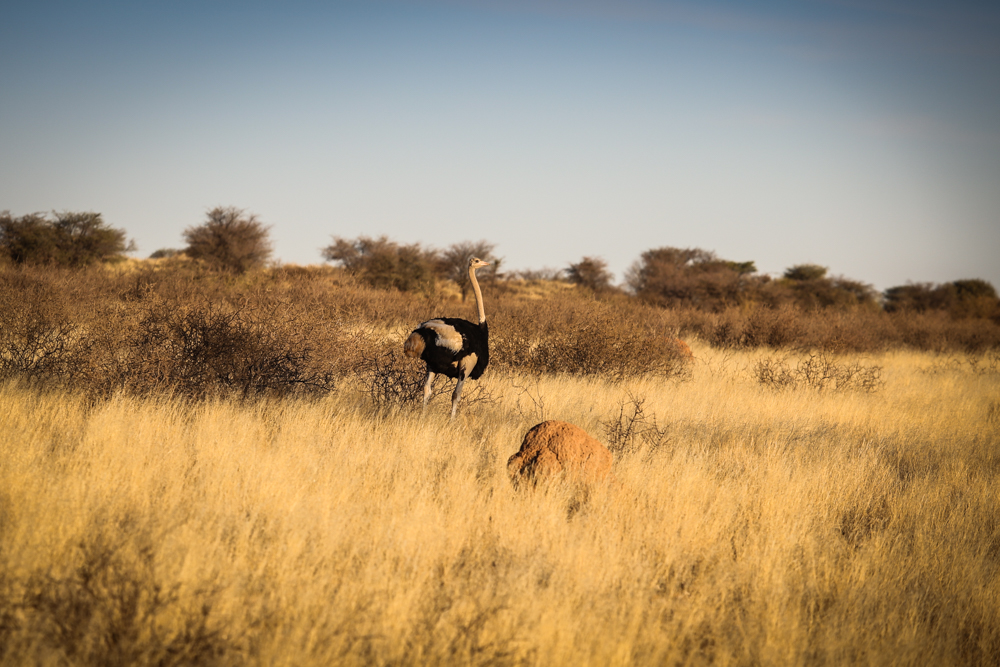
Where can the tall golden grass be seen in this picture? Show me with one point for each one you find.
(759, 526)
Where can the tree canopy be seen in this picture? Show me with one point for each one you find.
(64, 239)
(230, 239)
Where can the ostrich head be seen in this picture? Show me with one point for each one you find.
(475, 263)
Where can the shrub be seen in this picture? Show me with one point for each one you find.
(805, 272)
(36, 329)
(202, 349)
(160, 331)
(631, 429)
(546, 274)
(165, 253)
(67, 239)
(591, 273)
(757, 327)
(30, 239)
(230, 239)
(808, 287)
(975, 298)
(914, 297)
(969, 298)
(674, 277)
(388, 379)
(585, 338)
(818, 371)
(385, 264)
(109, 609)
(453, 263)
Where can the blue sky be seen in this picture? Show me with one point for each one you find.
(861, 136)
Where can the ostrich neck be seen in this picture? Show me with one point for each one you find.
(479, 295)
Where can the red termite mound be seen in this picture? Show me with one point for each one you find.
(559, 450)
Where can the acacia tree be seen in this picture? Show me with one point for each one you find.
(592, 273)
(30, 239)
(805, 272)
(809, 287)
(385, 264)
(454, 262)
(67, 239)
(691, 277)
(231, 239)
(961, 298)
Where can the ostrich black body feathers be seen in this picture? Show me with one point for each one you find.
(440, 337)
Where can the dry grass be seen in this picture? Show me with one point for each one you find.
(758, 526)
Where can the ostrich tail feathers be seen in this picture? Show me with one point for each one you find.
(414, 345)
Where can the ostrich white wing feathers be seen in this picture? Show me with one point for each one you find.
(447, 337)
(467, 363)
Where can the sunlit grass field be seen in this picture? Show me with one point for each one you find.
(747, 526)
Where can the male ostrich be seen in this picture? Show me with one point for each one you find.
(451, 346)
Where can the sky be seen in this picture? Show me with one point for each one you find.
(861, 136)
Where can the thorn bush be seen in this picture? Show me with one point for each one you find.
(819, 371)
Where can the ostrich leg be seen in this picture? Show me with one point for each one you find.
(428, 386)
(455, 396)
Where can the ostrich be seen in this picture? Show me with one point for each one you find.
(451, 346)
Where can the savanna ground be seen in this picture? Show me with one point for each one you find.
(773, 505)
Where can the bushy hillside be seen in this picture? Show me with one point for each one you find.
(173, 324)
